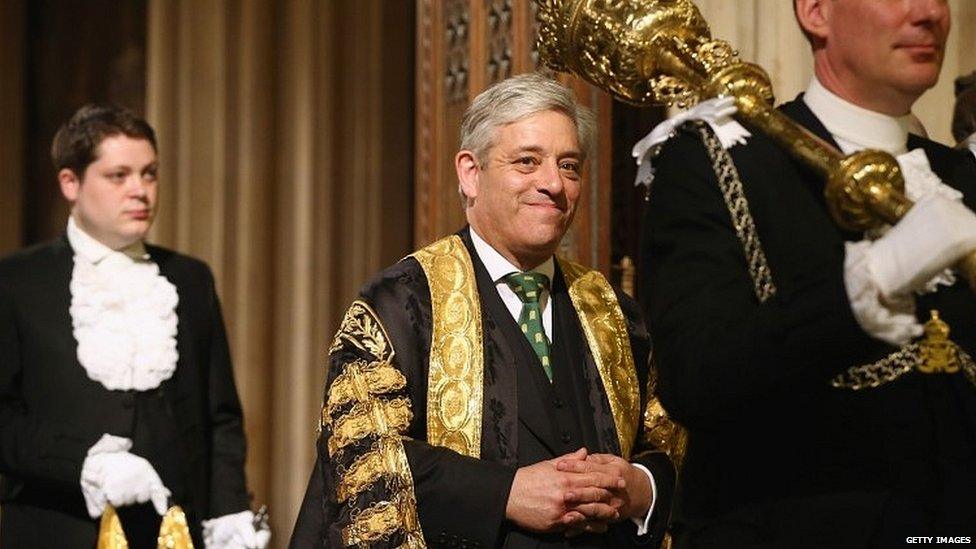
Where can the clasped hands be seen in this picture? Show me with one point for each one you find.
(576, 493)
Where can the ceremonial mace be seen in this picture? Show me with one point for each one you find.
(653, 52)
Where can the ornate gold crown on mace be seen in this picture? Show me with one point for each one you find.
(649, 52)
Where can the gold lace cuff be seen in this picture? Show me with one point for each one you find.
(374, 417)
(361, 381)
(381, 520)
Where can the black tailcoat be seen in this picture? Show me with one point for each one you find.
(776, 456)
(189, 428)
(461, 500)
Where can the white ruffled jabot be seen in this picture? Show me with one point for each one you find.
(124, 316)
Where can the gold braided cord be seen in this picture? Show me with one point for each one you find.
(606, 333)
(738, 206)
(895, 365)
(455, 377)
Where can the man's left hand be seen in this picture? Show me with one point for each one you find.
(636, 491)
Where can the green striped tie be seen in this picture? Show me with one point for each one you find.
(528, 287)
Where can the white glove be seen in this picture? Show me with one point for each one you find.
(110, 474)
(934, 234)
(235, 531)
(890, 320)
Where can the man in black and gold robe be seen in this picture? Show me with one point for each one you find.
(483, 392)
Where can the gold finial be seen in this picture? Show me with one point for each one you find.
(937, 352)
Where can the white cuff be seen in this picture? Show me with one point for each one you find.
(892, 321)
(644, 525)
(235, 531)
(920, 180)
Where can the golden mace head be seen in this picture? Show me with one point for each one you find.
(644, 52)
(661, 52)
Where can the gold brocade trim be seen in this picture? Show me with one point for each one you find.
(455, 378)
(359, 381)
(738, 206)
(362, 329)
(174, 533)
(606, 333)
(660, 431)
(373, 417)
(381, 520)
(383, 461)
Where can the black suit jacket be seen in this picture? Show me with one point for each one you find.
(776, 456)
(190, 428)
(460, 500)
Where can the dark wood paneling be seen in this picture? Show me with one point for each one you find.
(77, 51)
(464, 46)
(630, 124)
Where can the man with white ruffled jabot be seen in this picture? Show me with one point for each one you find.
(825, 376)
(116, 386)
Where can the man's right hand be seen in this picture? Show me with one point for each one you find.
(544, 499)
(113, 475)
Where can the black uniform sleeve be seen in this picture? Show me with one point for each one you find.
(228, 490)
(716, 345)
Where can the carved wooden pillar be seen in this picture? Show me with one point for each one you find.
(464, 46)
(13, 20)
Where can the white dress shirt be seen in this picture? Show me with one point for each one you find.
(498, 268)
(856, 128)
